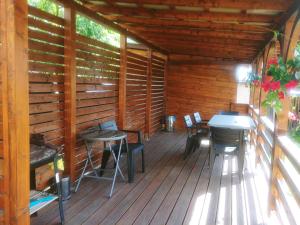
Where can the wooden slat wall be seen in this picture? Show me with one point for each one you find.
(46, 70)
(98, 68)
(158, 105)
(136, 91)
(207, 89)
(46, 81)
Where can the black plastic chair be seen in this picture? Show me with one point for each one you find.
(223, 139)
(201, 125)
(133, 148)
(229, 113)
(192, 142)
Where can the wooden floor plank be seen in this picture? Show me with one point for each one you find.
(238, 205)
(224, 206)
(82, 209)
(194, 211)
(162, 214)
(252, 208)
(158, 185)
(121, 188)
(172, 191)
(123, 206)
(210, 208)
(91, 187)
(178, 214)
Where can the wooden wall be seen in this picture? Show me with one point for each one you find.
(207, 89)
(88, 78)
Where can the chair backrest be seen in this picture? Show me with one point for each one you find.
(197, 117)
(188, 121)
(225, 136)
(229, 113)
(109, 125)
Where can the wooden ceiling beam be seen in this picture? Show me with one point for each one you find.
(242, 4)
(204, 40)
(191, 59)
(211, 54)
(92, 15)
(212, 51)
(182, 15)
(208, 45)
(152, 22)
(147, 32)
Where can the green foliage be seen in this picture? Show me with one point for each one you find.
(89, 28)
(281, 72)
(47, 6)
(272, 100)
(84, 25)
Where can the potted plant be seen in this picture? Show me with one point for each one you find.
(280, 78)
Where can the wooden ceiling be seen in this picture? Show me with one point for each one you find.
(228, 30)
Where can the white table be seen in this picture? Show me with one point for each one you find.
(232, 122)
(240, 123)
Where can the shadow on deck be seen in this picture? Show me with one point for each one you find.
(172, 191)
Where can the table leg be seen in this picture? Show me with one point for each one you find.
(241, 155)
(89, 154)
(117, 160)
(89, 148)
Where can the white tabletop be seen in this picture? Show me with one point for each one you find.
(232, 122)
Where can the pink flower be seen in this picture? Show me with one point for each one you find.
(281, 95)
(275, 85)
(291, 84)
(266, 86)
(292, 116)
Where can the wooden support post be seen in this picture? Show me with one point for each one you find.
(149, 97)
(165, 85)
(15, 110)
(122, 83)
(70, 92)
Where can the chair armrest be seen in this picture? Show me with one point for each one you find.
(138, 132)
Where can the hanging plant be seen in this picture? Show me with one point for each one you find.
(280, 78)
(253, 79)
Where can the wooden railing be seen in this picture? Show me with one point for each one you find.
(285, 185)
(278, 156)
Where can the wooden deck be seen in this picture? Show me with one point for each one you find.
(172, 191)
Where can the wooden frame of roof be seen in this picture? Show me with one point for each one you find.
(189, 27)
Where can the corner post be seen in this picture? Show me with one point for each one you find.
(149, 97)
(15, 110)
(70, 91)
(122, 82)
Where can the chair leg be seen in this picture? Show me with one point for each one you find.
(196, 142)
(131, 166)
(241, 157)
(105, 158)
(211, 159)
(143, 161)
(188, 146)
